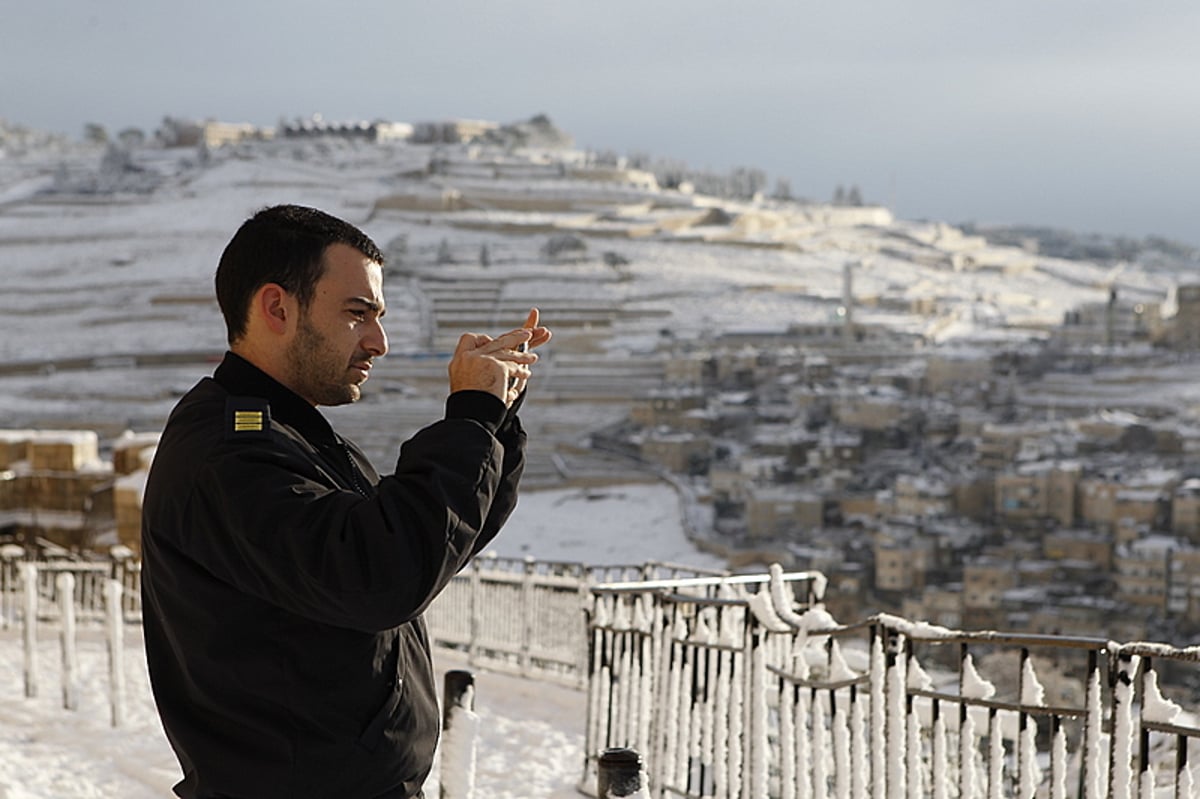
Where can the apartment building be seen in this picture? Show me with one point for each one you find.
(921, 495)
(1121, 501)
(1185, 510)
(1142, 571)
(1092, 549)
(672, 407)
(681, 453)
(782, 511)
(1183, 590)
(1185, 332)
(985, 580)
(1036, 492)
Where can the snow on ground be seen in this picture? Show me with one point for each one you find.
(530, 740)
(621, 524)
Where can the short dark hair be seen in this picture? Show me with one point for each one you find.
(284, 244)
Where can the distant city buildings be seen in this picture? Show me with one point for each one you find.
(978, 511)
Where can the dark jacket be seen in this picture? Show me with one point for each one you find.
(284, 581)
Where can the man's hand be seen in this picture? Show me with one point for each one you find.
(497, 365)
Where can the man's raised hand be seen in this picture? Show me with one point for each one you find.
(501, 365)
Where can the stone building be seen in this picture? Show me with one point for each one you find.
(782, 511)
(54, 487)
(1036, 492)
(1142, 571)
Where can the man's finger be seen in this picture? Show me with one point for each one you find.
(471, 341)
(512, 340)
(466, 343)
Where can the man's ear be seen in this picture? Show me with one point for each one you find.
(276, 307)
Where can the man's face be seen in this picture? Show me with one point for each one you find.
(340, 332)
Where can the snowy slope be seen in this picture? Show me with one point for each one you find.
(530, 729)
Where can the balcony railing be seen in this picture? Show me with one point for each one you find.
(743, 686)
(747, 688)
(526, 616)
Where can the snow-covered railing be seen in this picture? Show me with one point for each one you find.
(760, 693)
(61, 611)
(89, 586)
(525, 615)
(655, 646)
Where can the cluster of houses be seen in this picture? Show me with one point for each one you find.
(920, 483)
(917, 479)
(59, 495)
(912, 481)
(181, 132)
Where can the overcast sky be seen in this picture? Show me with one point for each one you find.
(1076, 113)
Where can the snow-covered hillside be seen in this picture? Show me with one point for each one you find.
(107, 316)
(107, 261)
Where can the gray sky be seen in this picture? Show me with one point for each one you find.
(1076, 113)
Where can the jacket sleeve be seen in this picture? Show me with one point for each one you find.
(512, 438)
(273, 527)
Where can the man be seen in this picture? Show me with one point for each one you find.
(283, 579)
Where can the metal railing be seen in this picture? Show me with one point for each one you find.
(753, 691)
(527, 616)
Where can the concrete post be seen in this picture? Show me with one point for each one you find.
(29, 581)
(67, 637)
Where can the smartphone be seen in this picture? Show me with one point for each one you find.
(522, 347)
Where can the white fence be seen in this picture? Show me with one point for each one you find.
(511, 614)
(55, 593)
(741, 686)
(88, 587)
(527, 616)
(744, 688)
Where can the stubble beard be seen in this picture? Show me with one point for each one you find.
(319, 373)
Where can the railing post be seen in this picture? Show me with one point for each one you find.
(70, 657)
(527, 600)
(878, 705)
(1120, 778)
(121, 557)
(1090, 771)
(475, 604)
(116, 649)
(619, 774)
(29, 579)
(586, 601)
(757, 744)
(896, 731)
(9, 555)
(460, 726)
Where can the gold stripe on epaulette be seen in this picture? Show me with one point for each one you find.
(247, 421)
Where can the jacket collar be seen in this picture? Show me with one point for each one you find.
(243, 379)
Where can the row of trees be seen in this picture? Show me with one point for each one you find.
(739, 183)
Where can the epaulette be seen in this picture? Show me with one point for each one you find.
(247, 418)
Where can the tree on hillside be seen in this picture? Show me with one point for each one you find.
(783, 189)
(565, 247)
(131, 138)
(618, 263)
(95, 133)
